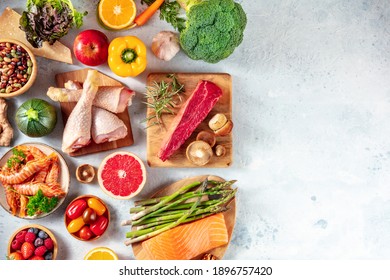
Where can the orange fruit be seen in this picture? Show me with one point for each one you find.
(101, 253)
(117, 14)
(122, 175)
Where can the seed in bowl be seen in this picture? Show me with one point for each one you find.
(15, 67)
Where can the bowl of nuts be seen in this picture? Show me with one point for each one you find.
(18, 68)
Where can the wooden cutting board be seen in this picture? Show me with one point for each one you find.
(229, 215)
(67, 107)
(155, 134)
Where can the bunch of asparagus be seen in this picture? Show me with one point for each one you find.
(191, 202)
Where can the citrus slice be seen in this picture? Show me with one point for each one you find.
(117, 14)
(101, 253)
(122, 175)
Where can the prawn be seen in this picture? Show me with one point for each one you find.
(32, 188)
(41, 175)
(31, 151)
(23, 206)
(12, 198)
(27, 170)
(53, 172)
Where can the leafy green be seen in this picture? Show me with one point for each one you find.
(39, 203)
(170, 11)
(49, 20)
(17, 157)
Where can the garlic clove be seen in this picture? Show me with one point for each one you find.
(165, 45)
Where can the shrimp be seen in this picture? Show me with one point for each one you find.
(12, 198)
(27, 170)
(32, 188)
(52, 176)
(41, 175)
(23, 206)
(31, 151)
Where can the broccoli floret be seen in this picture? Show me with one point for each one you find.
(213, 29)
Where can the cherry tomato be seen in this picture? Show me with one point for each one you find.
(89, 215)
(75, 225)
(76, 208)
(85, 233)
(96, 205)
(99, 226)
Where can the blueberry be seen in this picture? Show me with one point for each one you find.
(42, 234)
(38, 242)
(49, 256)
(33, 230)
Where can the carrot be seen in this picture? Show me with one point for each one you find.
(142, 18)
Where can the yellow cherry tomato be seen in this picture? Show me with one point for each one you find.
(96, 205)
(127, 56)
(75, 225)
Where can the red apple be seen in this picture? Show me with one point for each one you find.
(91, 47)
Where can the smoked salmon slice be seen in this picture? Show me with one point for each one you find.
(187, 241)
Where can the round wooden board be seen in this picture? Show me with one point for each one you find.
(229, 215)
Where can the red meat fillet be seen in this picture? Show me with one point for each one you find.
(190, 115)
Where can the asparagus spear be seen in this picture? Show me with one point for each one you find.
(217, 185)
(151, 218)
(169, 226)
(165, 200)
(194, 216)
(176, 202)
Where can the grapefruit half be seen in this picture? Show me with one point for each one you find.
(122, 175)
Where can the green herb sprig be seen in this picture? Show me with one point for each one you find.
(18, 157)
(170, 11)
(39, 203)
(162, 97)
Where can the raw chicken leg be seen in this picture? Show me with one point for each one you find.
(106, 126)
(77, 131)
(112, 98)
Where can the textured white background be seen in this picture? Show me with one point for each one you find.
(311, 108)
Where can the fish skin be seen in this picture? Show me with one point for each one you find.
(77, 131)
(106, 126)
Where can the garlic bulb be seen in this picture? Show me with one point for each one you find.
(165, 45)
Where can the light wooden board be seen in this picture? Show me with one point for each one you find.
(155, 134)
(67, 107)
(229, 215)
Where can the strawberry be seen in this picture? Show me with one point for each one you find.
(15, 256)
(30, 237)
(27, 249)
(36, 258)
(16, 244)
(48, 242)
(20, 236)
(40, 251)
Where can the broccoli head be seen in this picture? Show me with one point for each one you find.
(213, 29)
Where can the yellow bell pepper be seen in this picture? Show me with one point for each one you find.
(127, 56)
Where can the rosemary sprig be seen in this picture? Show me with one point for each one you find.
(162, 97)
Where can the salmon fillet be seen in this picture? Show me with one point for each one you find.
(187, 241)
